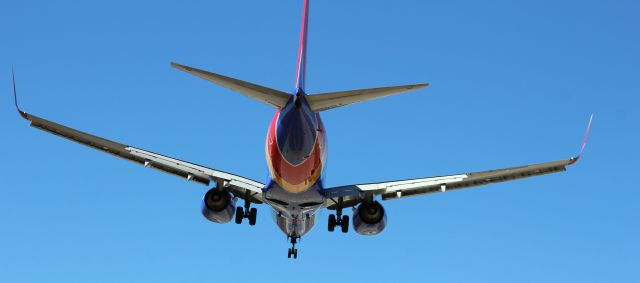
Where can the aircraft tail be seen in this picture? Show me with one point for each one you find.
(266, 95)
(301, 71)
(326, 101)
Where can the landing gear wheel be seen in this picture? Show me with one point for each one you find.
(239, 215)
(253, 214)
(332, 222)
(246, 212)
(338, 219)
(345, 224)
(292, 250)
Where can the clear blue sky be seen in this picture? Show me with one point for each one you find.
(512, 83)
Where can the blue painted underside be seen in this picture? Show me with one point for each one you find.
(296, 131)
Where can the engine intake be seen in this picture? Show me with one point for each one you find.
(369, 219)
(218, 206)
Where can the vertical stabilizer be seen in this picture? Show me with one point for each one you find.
(302, 51)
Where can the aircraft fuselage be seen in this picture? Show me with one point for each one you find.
(296, 153)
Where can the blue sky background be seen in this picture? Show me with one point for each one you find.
(512, 83)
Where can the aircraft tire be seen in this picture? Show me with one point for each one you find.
(239, 215)
(345, 224)
(253, 215)
(332, 222)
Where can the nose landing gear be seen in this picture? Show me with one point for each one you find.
(292, 250)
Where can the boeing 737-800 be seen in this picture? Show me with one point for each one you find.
(296, 153)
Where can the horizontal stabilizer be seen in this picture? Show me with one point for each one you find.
(326, 101)
(267, 95)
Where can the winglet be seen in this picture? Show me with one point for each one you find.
(584, 142)
(15, 96)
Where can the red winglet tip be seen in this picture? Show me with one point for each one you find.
(586, 136)
(584, 142)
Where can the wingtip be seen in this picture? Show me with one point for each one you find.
(15, 96)
(573, 160)
(584, 141)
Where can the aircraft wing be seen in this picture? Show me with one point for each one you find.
(352, 195)
(241, 187)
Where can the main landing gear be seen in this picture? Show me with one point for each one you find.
(246, 212)
(292, 250)
(338, 219)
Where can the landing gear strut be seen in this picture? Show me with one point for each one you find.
(338, 219)
(246, 212)
(292, 250)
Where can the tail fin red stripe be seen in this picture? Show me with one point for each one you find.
(302, 50)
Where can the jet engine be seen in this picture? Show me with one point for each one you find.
(369, 219)
(218, 206)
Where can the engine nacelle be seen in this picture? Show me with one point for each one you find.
(369, 219)
(218, 206)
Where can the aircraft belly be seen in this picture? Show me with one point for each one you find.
(297, 227)
(295, 212)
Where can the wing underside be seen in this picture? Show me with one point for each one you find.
(352, 195)
(241, 187)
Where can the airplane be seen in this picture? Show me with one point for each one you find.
(296, 154)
